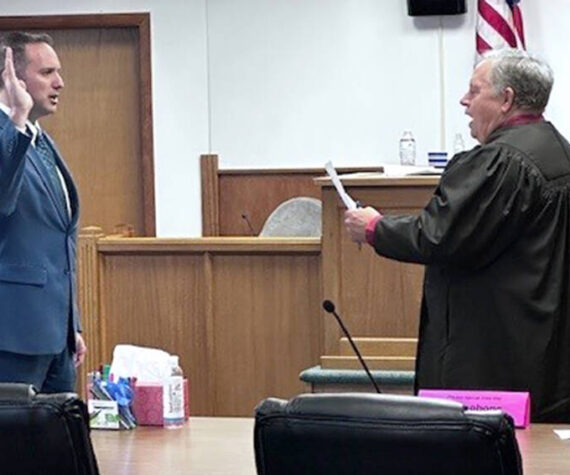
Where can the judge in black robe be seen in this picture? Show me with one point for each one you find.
(495, 239)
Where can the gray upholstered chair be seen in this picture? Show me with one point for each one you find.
(296, 217)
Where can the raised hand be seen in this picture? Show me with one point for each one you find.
(18, 98)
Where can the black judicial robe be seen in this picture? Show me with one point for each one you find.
(495, 239)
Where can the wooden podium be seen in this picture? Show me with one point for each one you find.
(378, 298)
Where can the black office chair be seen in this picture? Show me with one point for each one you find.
(359, 433)
(44, 434)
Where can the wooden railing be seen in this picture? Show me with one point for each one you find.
(242, 313)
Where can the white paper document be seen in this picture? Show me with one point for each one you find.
(344, 196)
(564, 434)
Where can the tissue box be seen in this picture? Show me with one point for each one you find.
(147, 404)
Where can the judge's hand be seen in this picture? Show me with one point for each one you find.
(80, 350)
(356, 220)
(19, 100)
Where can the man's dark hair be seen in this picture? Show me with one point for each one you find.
(17, 40)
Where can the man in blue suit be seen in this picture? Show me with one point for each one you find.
(40, 339)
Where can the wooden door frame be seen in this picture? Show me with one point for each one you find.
(141, 21)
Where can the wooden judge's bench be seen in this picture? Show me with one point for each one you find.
(244, 313)
(378, 298)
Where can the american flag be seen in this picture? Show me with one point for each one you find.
(499, 25)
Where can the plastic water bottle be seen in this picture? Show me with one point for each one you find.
(407, 149)
(173, 396)
(458, 145)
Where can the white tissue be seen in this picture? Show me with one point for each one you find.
(150, 365)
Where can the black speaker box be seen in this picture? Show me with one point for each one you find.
(436, 7)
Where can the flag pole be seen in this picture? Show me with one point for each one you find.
(441, 85)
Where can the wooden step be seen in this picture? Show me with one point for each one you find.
(387, 363)
(380, 346)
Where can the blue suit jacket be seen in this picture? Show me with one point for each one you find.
(38, 240)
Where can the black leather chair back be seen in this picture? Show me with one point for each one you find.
(45, 434)
(360, 433)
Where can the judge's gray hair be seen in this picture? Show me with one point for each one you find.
(530, 77)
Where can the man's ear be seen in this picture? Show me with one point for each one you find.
(508, 99)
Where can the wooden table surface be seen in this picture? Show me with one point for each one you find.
(204, 446)
(220, 446)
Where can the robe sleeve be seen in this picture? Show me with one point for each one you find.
(483, 202)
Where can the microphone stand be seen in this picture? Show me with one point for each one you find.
(330, 308)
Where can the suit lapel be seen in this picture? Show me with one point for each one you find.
(43, 173)
(69, 183)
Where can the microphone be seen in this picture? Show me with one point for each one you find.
(329, 307)
(244, 217)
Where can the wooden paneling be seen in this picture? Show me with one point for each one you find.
(243, 314)
(266, 327)
(210, 195)
(386, 363)
(103, 125)
(376, 296)
(232, 197)
(159, 301)
(380, 346)
(255, 195)
(88, 302)
(379, 353)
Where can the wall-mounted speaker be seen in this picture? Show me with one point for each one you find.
(436, 7)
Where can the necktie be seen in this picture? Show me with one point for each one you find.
(47, 155)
